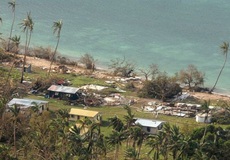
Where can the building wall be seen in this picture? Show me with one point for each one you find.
(150, 130)
(202, 119)
(76, 117)
(63, 95)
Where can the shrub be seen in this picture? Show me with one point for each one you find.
(4, 57)
(41, 52)
(130, 86)
(88, 61)
(122, 67)
(162, 87)
(191, 77)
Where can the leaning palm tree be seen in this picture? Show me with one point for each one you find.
(27, 27)
(12, 5)
(224, 48)
(57, 26)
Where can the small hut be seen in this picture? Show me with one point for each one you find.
(203, 117)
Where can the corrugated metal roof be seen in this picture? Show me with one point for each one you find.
(25, 102)
(63, 89)
(83, 112)
(148, 122)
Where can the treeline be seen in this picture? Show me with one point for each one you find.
(50, 135)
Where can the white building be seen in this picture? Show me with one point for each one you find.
(202, 116)
(25, 103)
(150, 126)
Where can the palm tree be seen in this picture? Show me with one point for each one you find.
(57, 26)
(16, 41)
(224, 48)
(115, 139)
(137, 135)
(176, 141)
(15, 110)
(131, 154)
(64, 114)
(129, 117)
(76, 140)
(27, 26)
(116, 123)
(206, 109)
(12, 5)
(155, 142)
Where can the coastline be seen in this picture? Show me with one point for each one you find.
(104, 74)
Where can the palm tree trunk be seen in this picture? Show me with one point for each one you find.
(116, 152)
(205, 129)
(15, 149)
(52, 58)
(226, 56)
(9, 73)
(11, 29)
(139, 151)
(24, 59)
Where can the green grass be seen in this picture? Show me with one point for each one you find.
(111, 111)
(106, 111)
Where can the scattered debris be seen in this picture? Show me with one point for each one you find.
(93, 87)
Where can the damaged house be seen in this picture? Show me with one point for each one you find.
(64, 92)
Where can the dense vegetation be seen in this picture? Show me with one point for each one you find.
(51, 135)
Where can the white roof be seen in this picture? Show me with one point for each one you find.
(148, 122)
(25, 102)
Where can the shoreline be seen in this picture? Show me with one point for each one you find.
(101, 67)
(104, 74)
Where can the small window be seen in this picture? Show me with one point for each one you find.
(148, 129)
(56, 94)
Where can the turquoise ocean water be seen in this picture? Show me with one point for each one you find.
(170, 33)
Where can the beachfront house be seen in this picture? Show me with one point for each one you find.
(77, 114)
(63, 92)
(149, 126)
(24, 104)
